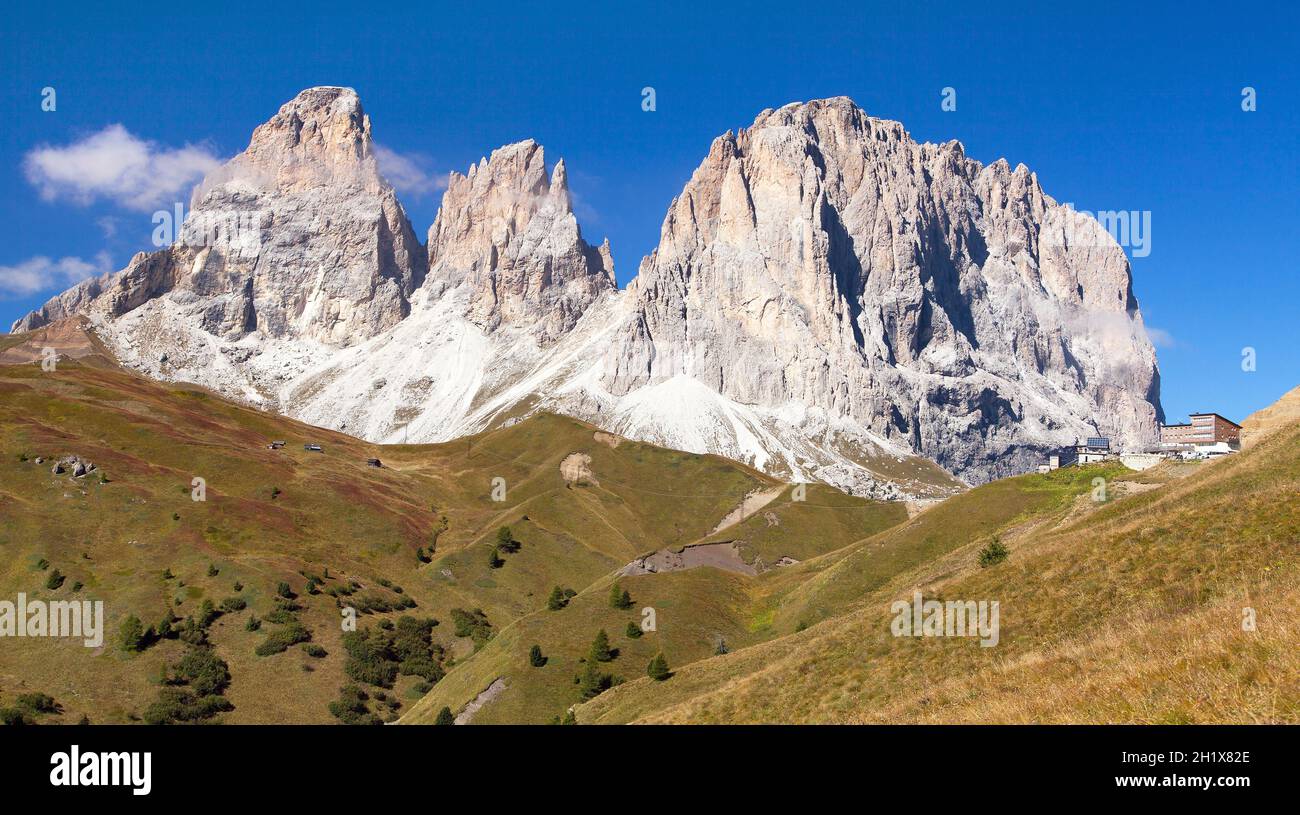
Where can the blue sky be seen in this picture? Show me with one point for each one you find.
(1115, 108)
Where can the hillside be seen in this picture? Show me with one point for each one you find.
(411, 537)
(771, 603)
(1127, 611)
(699, 609)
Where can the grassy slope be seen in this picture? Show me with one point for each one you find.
(332, 512)
(695, 610)
(1127, 611)
(708, 604)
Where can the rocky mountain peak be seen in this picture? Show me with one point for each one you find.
(823, 258)
(297, 236)
(506, 231)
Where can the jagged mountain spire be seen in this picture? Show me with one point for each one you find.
(508, 233)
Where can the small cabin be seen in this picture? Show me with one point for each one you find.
(374, 462)
(275, 445)
(314, 448)
(1095, 449)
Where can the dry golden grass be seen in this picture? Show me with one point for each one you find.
(1129, 611)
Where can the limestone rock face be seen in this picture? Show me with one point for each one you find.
(508, 233)
(821, 258)
(299, 235)
(829, 300)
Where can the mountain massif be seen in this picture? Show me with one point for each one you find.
(829, 300)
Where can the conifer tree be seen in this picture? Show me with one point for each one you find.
(600, 648)
(658, 668)
(557, 600)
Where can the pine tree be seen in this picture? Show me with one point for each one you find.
(634, 631)
(445, 717)
(619, 598)
(557, 600)
(591, 682)
(600, 648)
(132, 633)
(535, 657)
(658, 668)
(494, 559)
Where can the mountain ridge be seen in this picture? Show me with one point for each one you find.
(826, 293)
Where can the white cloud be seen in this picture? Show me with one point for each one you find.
(115, 165)
(407, 172)
(40, 273)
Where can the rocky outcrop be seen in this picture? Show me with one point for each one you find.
(508, 233)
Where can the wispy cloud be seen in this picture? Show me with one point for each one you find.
(1160, 338)
(117, 166)
(41, 273)
(409, 173)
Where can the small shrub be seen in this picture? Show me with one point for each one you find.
(658, 668)
(232, 604)
(993, 554)
(281, 639)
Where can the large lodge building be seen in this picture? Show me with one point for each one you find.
(1206, 434)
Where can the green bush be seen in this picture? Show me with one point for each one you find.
(350, 708)
(232, 604)
(619, 598)
(282, 638)
(560, 598)
(993, 554)
(658, 668)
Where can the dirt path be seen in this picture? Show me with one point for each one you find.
(753, 502)
(493, 691)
